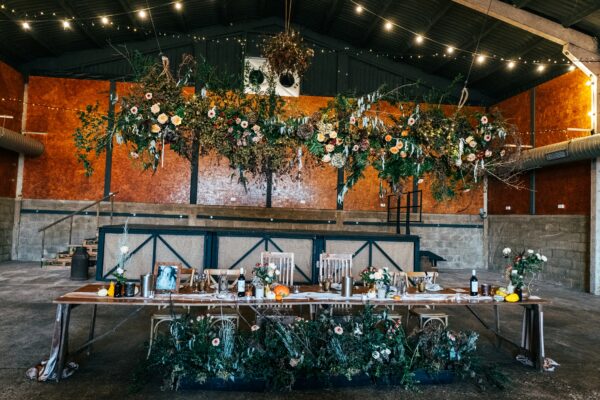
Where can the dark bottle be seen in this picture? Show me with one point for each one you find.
(241, 284)
(474, 285)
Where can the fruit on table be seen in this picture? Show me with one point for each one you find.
(281, 290)
(512, 298)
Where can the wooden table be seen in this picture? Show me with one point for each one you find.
(532, 332)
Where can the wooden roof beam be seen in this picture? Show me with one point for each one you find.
(532, 23)
(374, 24)
(82, 29)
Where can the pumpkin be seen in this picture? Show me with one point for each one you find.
(281, 290)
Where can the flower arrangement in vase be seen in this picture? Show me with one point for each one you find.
(523, 269)
(264, 276)
(377, 279)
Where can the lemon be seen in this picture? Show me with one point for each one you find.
(512, 298)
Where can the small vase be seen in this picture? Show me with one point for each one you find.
(381, 293)
(118, 289)
(259, 292)
(510, 289)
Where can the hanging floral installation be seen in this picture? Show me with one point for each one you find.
(401, 139)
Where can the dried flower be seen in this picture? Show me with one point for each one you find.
(148, 96)
(355, 147)
(133, 110)
(338, 330)
(211, 113)
(329, 148)
(487, 137)
(305, 131)
(285, 52)
(163, 118)
(176, 120)
(471, 157)
(488, 153)
(352, 120)
(333, 134)
(484, 120)
(134, 155)
(411, 121)
(338, 160)
(216, 342)
(326, 158)
(244, 124)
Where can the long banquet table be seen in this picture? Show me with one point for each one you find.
(532, 331)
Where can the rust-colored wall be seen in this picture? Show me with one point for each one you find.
(561, 103)
(56, 173)
(169, 184)
(11, 103)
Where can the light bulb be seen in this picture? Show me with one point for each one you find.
(142, 14)
(66, 24)
(419, 39)
(511, 64)
(104, 20)
(26, 26)
(388, 26)
(178, 6)
(541, 68)
(359, 9)
(450, 50)
(480, 59)
(571, 68)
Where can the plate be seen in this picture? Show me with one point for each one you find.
(434, 287)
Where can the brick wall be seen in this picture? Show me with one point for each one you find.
(7, 212)
(458, 238)
(564, 239)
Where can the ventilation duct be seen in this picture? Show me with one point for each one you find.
(20, 143)
(584, 148)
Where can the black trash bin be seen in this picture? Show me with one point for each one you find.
(80, 262)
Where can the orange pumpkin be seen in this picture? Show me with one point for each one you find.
(281, 290)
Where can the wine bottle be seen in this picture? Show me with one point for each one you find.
(241, 284)
(474, 284)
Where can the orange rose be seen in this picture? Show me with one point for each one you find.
(388, 138)
(399, 145)
(405, 132)
(394, 150)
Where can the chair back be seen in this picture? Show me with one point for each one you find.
(397, 278)
(186, 276)
(432, 276)
(215, 274)
(335, 266)
(284, 263)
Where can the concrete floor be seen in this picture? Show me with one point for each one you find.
(26, 320)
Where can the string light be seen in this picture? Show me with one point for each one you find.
(511, 64)
(571, 68)
(480, 59)
(66, 24)
(142, 14)
(419, 39)
(178, 6)
(388, 26)
(104, 20)
(25, 25)
(541, 68)
(450, 50)
(359, 9)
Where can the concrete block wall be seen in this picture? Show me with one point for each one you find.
(458, 238)
(7, 215)
(564, 239)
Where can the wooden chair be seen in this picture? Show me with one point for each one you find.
(225, 314)
(335, 265)
(186, 280)
(284, 263)
(427, 315)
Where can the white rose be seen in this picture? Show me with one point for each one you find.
(378, 275)
(244, 124)
(326, 158)
(120, 271)
(530, 251)
(538, 256)
(544, 258)
(506, 252)
(124, 249)
(333, 135)
(163, 118)
(155, 108)
(270, 273)
(471, 157)
(372, 276)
